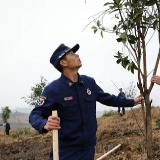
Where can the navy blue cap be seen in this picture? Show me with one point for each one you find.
(120, 89)
(61, 51)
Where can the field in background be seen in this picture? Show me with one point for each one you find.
(19, 120)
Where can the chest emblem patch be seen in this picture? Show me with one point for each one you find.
(68, 98)
(88, 91)
(41, 100)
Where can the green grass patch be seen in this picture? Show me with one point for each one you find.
(23, 131)
(109, 113)
(157, 121)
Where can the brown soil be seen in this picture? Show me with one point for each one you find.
(111, 132)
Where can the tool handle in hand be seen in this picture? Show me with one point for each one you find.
(55, 141)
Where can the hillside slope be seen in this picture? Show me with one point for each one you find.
(111, 131)
(128, 132)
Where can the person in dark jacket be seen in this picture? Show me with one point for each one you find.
(74, 97)
(7, 128)
(121, 94)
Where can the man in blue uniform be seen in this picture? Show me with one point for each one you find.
(121, 94)
(74, 97)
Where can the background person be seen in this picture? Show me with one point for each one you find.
(7, 128)
(74, 97)
(121, 94)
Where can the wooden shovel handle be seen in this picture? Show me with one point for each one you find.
(55, 140)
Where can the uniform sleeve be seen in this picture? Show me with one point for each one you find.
(43, 109)
(112, 100)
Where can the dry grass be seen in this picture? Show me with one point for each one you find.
(125, 130)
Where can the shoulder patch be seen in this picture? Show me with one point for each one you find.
(41, 100)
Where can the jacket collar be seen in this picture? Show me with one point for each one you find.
(69, 82)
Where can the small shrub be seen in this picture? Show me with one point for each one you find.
(157, 121)
(33, 131)
(26, 130)
(109, 113)
(21, 131)
(15, 135)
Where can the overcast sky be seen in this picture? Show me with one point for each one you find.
(30, 30)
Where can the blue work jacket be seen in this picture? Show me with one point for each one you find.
(75, 103)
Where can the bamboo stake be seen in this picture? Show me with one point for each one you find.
(55, 141)
(106, 154)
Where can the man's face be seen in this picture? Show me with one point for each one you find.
(73, 60)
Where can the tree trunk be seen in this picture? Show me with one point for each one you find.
(149, 144)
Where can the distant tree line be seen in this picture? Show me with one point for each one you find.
(15, 114)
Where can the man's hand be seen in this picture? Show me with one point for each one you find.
(155, 79)
(138, 100)
(52, 123)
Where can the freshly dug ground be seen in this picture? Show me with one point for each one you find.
(112, 131)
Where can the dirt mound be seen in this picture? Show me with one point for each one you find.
(31, 147)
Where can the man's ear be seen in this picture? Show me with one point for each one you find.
(63, 63)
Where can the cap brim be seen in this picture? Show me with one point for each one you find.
(75, 48)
